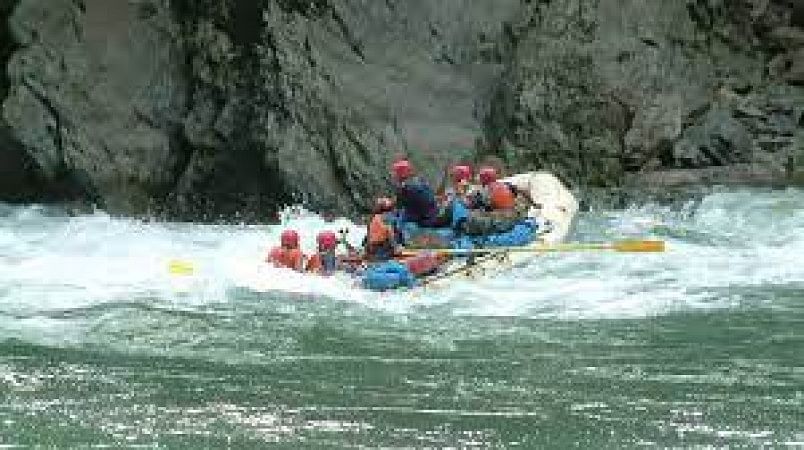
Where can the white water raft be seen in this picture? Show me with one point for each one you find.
(553, 206)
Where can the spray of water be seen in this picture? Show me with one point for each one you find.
(52, 265)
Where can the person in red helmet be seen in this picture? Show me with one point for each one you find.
(487, 175)
(380, 244)
(461, 180)
(287, 254)
(494, 195)
(326, 261)
(495, 204)
(415, 198)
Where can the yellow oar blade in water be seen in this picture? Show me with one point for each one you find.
(180, 267)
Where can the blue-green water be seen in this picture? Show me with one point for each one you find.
(703, 345)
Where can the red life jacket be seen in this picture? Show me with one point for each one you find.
(424, 263)
(291, 258)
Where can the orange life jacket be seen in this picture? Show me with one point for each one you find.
(379, 232)
(291, 258)
(500, 196)
(314, 263)
(379, 239)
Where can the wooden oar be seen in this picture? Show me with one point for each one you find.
(626, 246)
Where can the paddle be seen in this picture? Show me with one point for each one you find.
(626, 246)
(178, 267)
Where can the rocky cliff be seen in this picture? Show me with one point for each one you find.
(203, 109)
(702, 90)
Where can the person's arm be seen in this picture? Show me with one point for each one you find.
(523, 193)
(442, 184)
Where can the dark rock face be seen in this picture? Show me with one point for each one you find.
(598, 89)
(95, 97)
(203, 109)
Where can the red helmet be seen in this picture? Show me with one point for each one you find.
(487, 175)
(461, 173)
(383, 204)
(289, 238)
(327, 240)
(402, 170)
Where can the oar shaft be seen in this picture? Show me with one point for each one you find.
(620, 246)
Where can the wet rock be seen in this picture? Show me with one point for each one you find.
(652, 134)
(94, 97)
(691, 74)
(222, 108)
(718, 140)
(745, 174)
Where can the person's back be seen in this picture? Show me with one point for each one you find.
(380, 233)
(418, 202)
(460, 185)
(288, 254)
(415, 198)
(326, 260)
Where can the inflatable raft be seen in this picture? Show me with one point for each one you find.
(549, 221)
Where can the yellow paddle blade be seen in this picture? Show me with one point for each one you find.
(633, 246)
(179, 267)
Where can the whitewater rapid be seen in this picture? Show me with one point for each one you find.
(719, 248)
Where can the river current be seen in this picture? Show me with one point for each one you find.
(701, 345)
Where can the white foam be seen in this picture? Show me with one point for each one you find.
(731, 241)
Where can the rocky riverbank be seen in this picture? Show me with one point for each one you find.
(212, 109)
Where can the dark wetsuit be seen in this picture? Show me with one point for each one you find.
(418, 204)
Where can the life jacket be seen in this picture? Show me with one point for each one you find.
(379, 238)
(324, 263)
(291, 258)
(417, 200)
(501, 196)
(424, 263)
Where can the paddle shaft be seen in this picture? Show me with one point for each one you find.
(620, 246)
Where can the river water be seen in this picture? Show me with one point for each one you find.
(702, 345)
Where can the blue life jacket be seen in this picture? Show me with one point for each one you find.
(460, 213)
(329, 262)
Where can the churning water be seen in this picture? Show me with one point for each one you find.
(704, 344)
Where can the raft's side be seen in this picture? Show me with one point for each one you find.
(552, 202)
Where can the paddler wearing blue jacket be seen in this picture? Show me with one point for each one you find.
(326, 261)
(415, 198)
